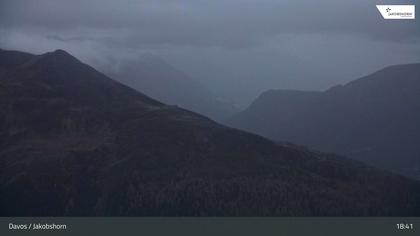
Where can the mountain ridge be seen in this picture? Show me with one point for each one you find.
(80, 144)
(378, 111)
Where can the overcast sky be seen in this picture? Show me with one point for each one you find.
(238, 48)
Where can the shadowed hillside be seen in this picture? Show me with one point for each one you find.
(75, 142)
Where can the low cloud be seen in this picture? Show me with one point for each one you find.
(303, 44)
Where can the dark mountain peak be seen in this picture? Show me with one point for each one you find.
(11, 56)
(61, 52)
(53, 66)
(59, 56)
(54, 61)
(60, 72)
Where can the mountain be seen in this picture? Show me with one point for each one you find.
(156, 78)
(74, 142)
(374, 119)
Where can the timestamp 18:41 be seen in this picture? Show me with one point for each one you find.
(405, 226)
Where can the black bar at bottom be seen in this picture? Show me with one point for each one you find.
(215, 226)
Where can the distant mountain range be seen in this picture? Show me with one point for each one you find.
(156, 78)
(375, 119)
(75, 142)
